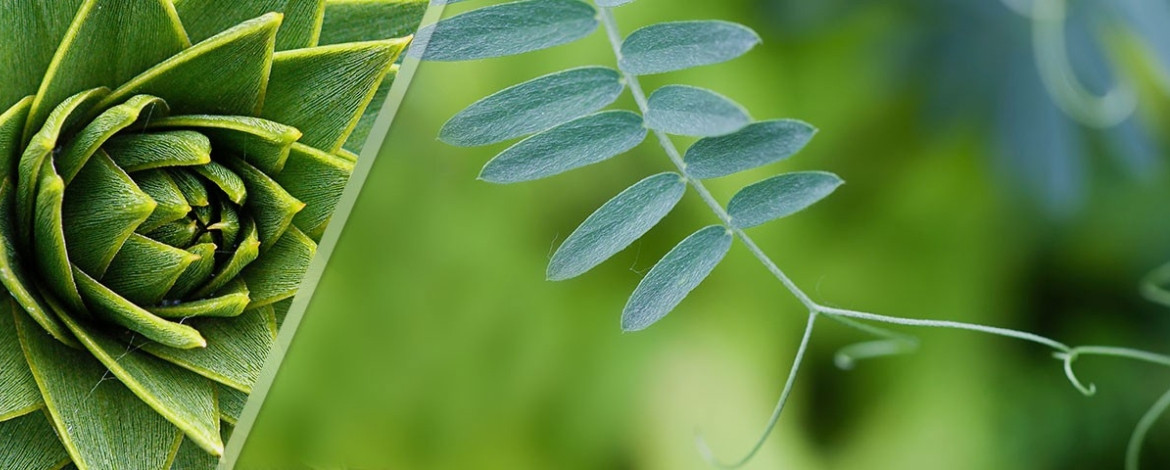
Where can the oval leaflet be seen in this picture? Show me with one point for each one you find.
(617, 224)
(675, 276)
(533, 106)
(575, 144)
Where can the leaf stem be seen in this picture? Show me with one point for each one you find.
(705, 450)
(1133, 451)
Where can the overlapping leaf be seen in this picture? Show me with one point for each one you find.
(530, 25)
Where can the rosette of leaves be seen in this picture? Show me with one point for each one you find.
(166, 170)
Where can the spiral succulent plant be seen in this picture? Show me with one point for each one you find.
(166, 170)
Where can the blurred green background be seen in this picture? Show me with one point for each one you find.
(433, 341)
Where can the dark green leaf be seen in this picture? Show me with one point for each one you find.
(508, 29)
(85, 144)
(186, 400)
(299, 28)
(272, 206)
(666, 47)
(108, 43)
(617, 224)
(318, 179)
(675, 276)
(575, 144)
(262, 142)
(780, 196)
(363, 20)
(18, 390)
(533, 106)
(279, 271)
(100, 421)
(102, 208)
(322, 91)
(109, 306)
(226, 74)
(687, 110)
(144, 270)
(235, 352)
(30, 33)
(29, 441)
(753, 146)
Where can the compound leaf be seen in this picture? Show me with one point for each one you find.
(675, 276)
(692, 111)
(533, 106)
(667, 47)
(753, 146)
(617, 224)
(508, 29)
(575, 144)
(780, 196)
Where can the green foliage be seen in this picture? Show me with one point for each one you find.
(730, 145)
(168, 168)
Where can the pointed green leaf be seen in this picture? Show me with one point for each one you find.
(196, 274)
(42, 145)
(226, 74)
(102, 208)
(780, 196)
(191, 457)
(363, 20)
(29, 441)
(49, 239)
(318, 179)
(508, 29)
(18, 390)
(231, 404)
(271, 206)
(14, 276)
(280, 311)
(666, 47)
(617, 224)
(261, 142)
(109, 306)
(180, 233)
(322, 91)
(206, 18)
(675, 276)
(687, 110)
(278, 273)
(246, 252)
(11, 131)
(235, 352)
(533, 106)
(191, 187)
(30, 33)
(361, 132)
(229, 302)
(228, 182)
(171, 204)
(228, 225)
(108, 43)
(144, 270)
(101, 422)
(186, 400)
(137, 152)
(753, 146)
(79, 150)
(572, 145)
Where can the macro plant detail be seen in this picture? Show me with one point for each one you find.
(168, 168)
(563, 124)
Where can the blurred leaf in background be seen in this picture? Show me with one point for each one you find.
(434, 341)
